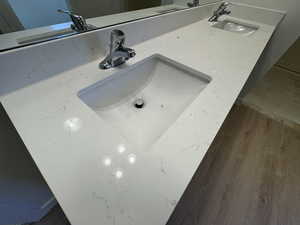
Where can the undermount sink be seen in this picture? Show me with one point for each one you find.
(236, 27)
(143, 100)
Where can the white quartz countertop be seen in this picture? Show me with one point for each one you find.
(71, 144)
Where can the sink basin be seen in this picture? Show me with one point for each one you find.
(236, 27)
(143, 100)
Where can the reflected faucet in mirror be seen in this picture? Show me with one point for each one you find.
(118, 53)
(195, 3)
(79, 23)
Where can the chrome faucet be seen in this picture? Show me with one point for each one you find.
(79, 23)
(194, 3)
(222, 10)
(118, 54)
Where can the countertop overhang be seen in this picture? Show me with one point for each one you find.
(70, 143)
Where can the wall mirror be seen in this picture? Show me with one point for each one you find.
(26, 22)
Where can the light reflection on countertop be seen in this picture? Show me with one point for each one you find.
(114, 164)
(73, 124)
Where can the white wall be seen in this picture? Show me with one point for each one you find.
(37, 13)
(286, 34)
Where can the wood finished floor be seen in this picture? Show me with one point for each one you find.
(278, 96)
(249, 176)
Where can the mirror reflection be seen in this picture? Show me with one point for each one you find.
(31, 21)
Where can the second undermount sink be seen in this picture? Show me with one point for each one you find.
(143, 100)
(236, 27)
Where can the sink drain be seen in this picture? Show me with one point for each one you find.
(139, 103)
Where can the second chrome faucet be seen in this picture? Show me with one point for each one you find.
(222, 10)
(118, 53)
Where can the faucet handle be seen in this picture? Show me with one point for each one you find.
(224, 6)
